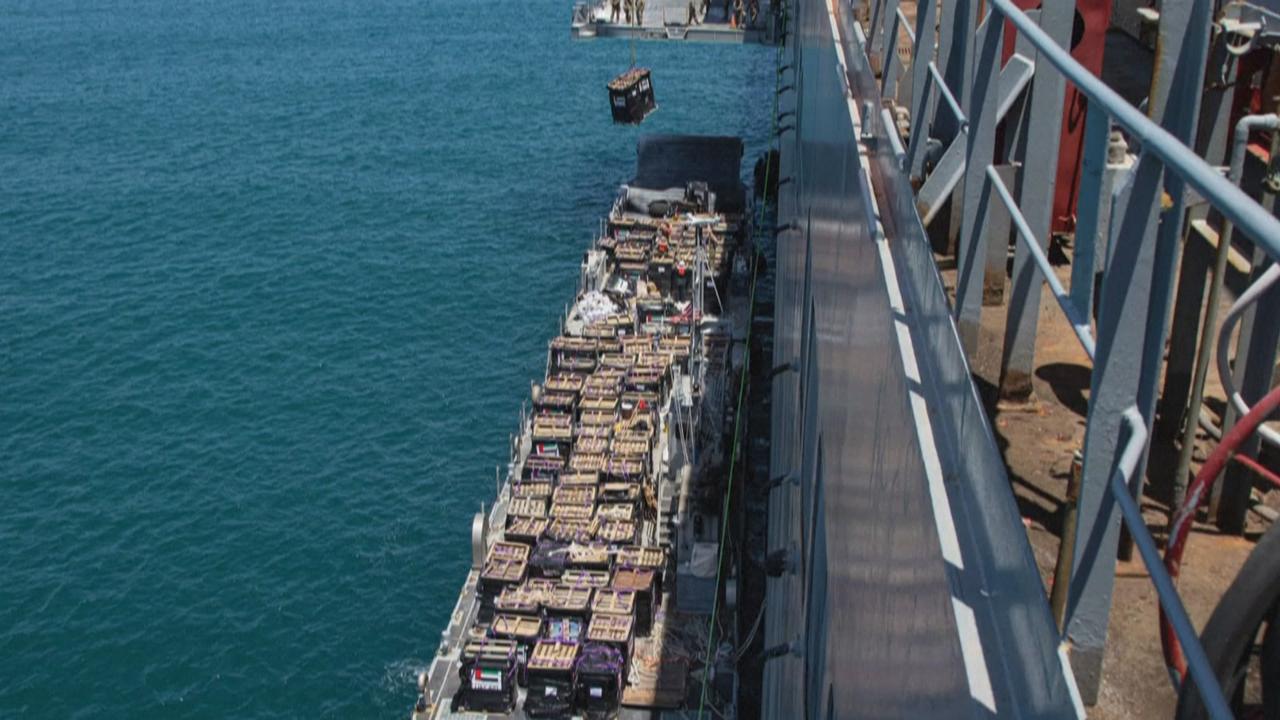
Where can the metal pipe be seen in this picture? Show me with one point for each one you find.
(1197, 662)
(902, 18)
(891, 131)
(1247, 298)
(1230, 200)
(1066, 545)
(1079, 325)
(951, 99)
(1205, 348)
(1262, 470)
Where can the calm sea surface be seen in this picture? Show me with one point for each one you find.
(274, 277)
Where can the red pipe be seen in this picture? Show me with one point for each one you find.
(1180, 528)
(1259, 468)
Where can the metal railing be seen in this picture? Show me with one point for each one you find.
(1125, 343)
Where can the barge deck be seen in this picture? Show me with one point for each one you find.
(595, 574)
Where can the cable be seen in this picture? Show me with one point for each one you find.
(751, 635)
(1181, 525)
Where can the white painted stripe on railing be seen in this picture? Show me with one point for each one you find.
(975, 663)
(1070, 677)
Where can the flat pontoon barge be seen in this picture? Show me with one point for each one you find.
(595, 572)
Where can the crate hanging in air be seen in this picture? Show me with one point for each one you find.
(631, 96)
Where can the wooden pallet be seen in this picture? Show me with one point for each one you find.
(567, 599)
(587, 578)
(614, 512)
(572, 511)
(633, 579)
(617, 532)
(586, 556)
(580, 478)
(583, 462)
(614, 601)
(516, 627)
(527, 507)
(553, 655)
(530, 489)
(564, 382)
(494, 649)
(574, 495)
(526, 529)
(580, 531)
(610, 628)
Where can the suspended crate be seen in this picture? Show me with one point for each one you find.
(631, 96)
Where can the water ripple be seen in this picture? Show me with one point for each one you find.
(273, 280)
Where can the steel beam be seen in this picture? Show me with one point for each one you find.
(946, 175)
(979, 153)
(922, 104)
(999, 229)
(1035, 194)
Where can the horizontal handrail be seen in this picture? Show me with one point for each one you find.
(891, 131)
(1079, 324)
(1197, 662)
(1227, 198)
(945, 91)
(902, 18)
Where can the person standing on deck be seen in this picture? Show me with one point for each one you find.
(639, 12)
(693, 13)
(615, 14)
(627, 5)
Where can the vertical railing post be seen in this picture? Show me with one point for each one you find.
(1035, 196)
(977, 204)
(1093, 205)
(889, 68)
(955, 60)
(875, 28)
(1124, 311)
(1133, 315)
(1183, 50)
(921, 102)
(1213, 137)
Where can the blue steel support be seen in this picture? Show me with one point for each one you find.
(888, 68)
(922, 103)
(1175, 104)
(949, 169)
(979, 151)
(1093, 201)
(1017, 361)
(1214, 133)
(1124, 314)
(998, 241)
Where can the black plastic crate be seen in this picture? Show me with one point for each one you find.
(631, 96)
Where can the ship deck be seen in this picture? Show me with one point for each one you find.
(595, 573)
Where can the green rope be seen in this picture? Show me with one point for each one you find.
(742, 381)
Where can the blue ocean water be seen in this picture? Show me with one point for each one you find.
(274, 277)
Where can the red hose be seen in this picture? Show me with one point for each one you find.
(1258, 468)
(1180, 528)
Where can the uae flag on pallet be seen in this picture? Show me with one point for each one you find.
(486, 679)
